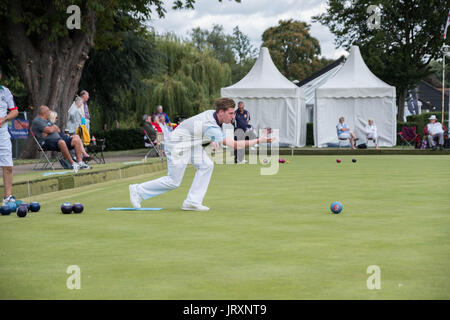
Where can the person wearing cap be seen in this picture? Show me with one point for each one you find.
(435, 131)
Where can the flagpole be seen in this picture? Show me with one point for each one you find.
(443, 84)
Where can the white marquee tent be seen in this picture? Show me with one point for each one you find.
(355, 93)
(272, 100)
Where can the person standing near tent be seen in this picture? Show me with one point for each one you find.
(186, 146)
(345, 133)
(242, 130)
(8, 111)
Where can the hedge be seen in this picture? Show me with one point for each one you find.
(121, 139)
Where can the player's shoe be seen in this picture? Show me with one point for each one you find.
(83, 165)
(9, 199)
(242, 162)
(75, 167)
(135, 198)
(189, 206)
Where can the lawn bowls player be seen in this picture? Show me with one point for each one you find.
(6, 104)
(186, 146)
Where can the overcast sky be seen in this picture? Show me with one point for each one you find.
(252, 17)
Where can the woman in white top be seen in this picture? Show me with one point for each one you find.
(371, 132)
(75, 116)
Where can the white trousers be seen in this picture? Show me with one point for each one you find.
(372, 136)
(176, 169)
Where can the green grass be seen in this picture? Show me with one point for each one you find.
(265, 237)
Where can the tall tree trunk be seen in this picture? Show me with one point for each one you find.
(51, 69)
(401, 97)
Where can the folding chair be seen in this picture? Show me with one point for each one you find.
(152, 146)
(96, 151)
(408, 136)
(45, 156)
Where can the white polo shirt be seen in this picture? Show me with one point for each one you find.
(371, 130)
(194, 132)
(435, 128)
(6, 103)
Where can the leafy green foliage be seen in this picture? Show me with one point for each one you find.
(147, 71)
(114, 77)
(293, 50)
(121, 138)
(191, 80)
(234, 50)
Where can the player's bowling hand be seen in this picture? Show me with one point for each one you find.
(265, 139)
(214, 146)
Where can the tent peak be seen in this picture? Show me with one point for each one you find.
(264, 74)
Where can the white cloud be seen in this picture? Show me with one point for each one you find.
(252, 17)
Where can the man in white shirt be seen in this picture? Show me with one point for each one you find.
(435, 130)
(186, 146)
(371, 132)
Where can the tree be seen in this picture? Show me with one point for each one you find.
(50, 57)
(234, 50)
(242, 47)
(399, 50)
(215, 40)
(190, 80)
(114, 79)
(293, 50)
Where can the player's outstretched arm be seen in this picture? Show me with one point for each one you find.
(230, 142)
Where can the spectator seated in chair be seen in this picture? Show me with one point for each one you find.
(50, 138)
(345, 133)
(371, 132)
(53, 118)
(150, 130)
(434, 130)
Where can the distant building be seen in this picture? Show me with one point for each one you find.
(431, 97)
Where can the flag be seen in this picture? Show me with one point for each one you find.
(446, 25)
